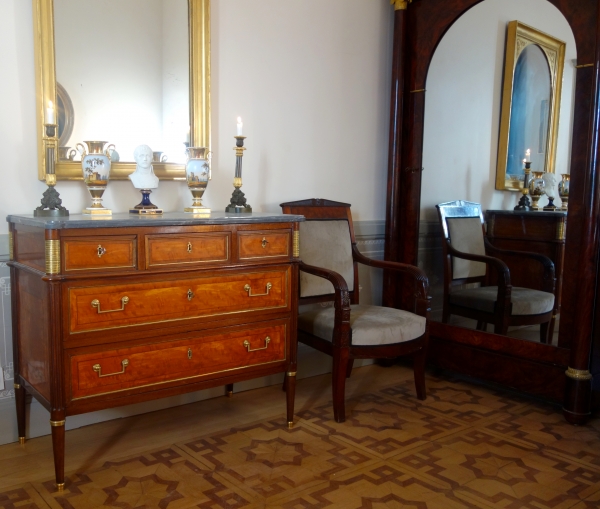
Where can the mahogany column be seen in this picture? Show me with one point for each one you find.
(577, 404)
(394, 209)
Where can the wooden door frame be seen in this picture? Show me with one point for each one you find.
(418, 29)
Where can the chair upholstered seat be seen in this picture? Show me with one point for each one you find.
(525, 301)
(371, 325)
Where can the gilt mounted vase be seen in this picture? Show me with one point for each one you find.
(95, 165)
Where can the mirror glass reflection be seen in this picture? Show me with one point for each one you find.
(125, 67)
(461, 131)
(529, 120)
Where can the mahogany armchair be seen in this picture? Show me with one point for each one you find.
(349, 330)
(470, 258)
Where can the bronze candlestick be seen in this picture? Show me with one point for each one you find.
(51, 204)
(238, 203)
(524, 203)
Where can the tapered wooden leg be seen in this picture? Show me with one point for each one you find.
(544, 330)
(21, 412)
(58, 446)
(229, 390)
(290, 386)
(419, 373)
(349, 369)
(340, 368)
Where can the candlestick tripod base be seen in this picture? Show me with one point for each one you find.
(524, 203)
(146, 207)
(51, 205)
(238, 203)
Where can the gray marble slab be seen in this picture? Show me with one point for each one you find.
(167, 219)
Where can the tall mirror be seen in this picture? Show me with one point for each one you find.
(462, 130)
(533, 72)
(129, 72)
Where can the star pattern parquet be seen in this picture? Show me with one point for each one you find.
(466, 446)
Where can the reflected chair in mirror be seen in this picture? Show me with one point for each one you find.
(349, 330)
(470, 258)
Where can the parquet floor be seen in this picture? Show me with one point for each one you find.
(466, 446)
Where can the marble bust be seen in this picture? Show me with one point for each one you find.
(143, 177)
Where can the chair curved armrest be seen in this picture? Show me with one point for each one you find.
(498, 265)
(549, 278)
(422, 299)
(341, 302)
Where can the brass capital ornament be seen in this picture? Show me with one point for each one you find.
(578, 374)
(52, 256)
(400, 5)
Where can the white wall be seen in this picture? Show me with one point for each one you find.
(309, 77)
(462, 109)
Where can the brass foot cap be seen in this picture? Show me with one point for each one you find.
(290, 424)
(21, 440)
(230, 394)
(60, 486)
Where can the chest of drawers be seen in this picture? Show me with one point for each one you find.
(109, 312)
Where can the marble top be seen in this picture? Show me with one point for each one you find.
(166, 219)
(556, 212)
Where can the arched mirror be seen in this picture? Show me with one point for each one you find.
(130, 73)
(531, 95)
(471, 130)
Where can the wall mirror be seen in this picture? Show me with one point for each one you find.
(142, 77)
(533, 71)
(459, 151)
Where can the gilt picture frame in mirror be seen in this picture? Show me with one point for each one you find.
(50, 36)
(531, 92)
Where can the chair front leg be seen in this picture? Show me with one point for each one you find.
(340, 370)
(419, 373)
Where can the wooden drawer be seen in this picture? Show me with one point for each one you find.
(186, 249)
(187, 360)
(162, 300)
(98, 253)
(267, 244)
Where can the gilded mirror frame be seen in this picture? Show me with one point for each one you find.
(46, 89)
(518, 37)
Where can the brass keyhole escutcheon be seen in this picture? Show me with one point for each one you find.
(101, 250)
(264, 242)
(189, 247)
(190, 294)
(189, 353)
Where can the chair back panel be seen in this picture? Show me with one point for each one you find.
(325, 244)
(466, 235)
(462, 226)
(326, 239)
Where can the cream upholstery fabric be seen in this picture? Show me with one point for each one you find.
(466, 236)
(371, 325)
(524, 300)
(325, 244)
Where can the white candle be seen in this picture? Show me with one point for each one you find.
(239, 126)
(187, 135)
(50, 116)
(527, 155)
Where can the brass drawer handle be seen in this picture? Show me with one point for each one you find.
(96, 304)
(189, 353)
(264, 242)
(98, 369)
(247, 345)
(100, 250)
(190, 294)
(250, 294)
(189, 247)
